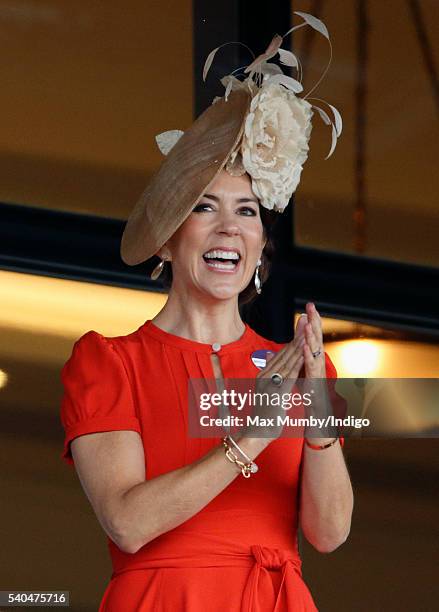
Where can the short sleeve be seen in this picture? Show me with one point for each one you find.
(97, 394)
(338, 402)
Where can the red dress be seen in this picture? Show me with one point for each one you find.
(239, 553)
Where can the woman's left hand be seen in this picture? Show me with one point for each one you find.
(314, 366)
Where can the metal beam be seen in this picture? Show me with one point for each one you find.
(358, 288)
(82, 247)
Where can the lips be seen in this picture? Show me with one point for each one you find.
(222, 259)
(218, 266)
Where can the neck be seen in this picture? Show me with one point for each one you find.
(200, 319)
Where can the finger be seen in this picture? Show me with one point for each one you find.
(296, 367)
(315, 360)
(309, 359)
(281, 364)
(266, 385)
(282, 356)
(300, 327)
(315, 320)
(289, 373)
(295, 364)
(311, 338)
(300, 324)
(276, 365)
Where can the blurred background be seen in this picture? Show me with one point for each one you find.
(86, 86)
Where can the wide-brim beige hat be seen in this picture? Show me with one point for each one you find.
(260, 127)
(184, 176)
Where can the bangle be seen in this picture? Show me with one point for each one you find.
(247, 469)
(246, 457)
(320, 446)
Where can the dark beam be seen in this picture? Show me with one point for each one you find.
(357, 288)
(81, 247)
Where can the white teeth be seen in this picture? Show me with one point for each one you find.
(221, 266)
(222, 254)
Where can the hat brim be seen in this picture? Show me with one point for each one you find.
(184, 176)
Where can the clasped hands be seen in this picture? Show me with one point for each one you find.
(308, 339)
(288, 362)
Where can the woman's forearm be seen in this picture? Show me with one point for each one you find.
(326, 499)
(158, 505)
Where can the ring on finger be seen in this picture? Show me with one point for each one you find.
(316, 353)
(277, 379)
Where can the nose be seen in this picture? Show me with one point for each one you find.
(228, 224)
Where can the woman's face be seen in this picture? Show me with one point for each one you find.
(215, 251)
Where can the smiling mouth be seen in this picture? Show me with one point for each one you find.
(222, 261)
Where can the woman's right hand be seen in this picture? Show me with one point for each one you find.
(287, 362)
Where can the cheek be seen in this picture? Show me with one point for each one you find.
(188, 237)
(255, 236)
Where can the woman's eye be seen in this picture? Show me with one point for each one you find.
(248, 211)
(201, 207)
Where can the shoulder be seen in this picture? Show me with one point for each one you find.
(90, 347)
(86, 345)
(94, 344)
(93, 356)
(97, 392)
(89, 341)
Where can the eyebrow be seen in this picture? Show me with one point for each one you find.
(240, 200)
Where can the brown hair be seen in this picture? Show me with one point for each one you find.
(247, 295)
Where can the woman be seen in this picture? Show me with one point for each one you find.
(196, 523)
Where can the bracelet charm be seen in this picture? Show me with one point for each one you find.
(247, 468)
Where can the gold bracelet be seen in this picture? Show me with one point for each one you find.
(247, 469)
(320, 446)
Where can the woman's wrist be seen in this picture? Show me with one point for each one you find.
(252, 446)
(320, 440)
(320, 443)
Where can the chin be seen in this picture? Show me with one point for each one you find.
(222, 293)
(221, 286)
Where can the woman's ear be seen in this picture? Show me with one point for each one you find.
(164, 253)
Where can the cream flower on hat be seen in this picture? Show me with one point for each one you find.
(275, 143)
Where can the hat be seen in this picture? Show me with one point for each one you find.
(260, 126)
(190, 167)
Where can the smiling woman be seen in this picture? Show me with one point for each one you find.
(237, 191)
(186, 515)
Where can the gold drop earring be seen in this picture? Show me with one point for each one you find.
(158, 269)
